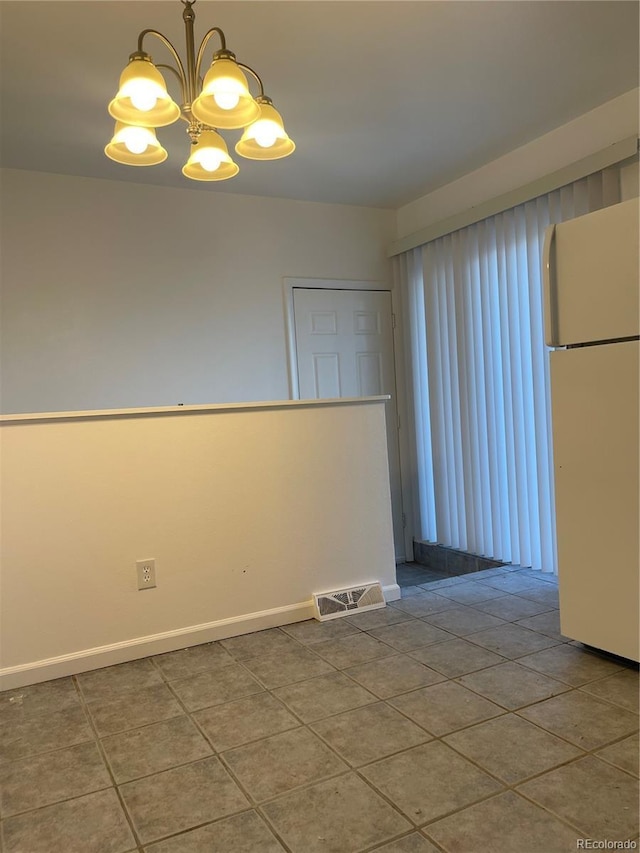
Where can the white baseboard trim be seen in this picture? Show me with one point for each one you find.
(391, 592)
(155, 644)
(13, 677)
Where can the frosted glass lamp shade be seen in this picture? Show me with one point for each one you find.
(225, 100)
(266, 138)
(135, 146)
(142, 98)
(209, 160)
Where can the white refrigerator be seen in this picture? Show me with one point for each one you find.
(591, 269)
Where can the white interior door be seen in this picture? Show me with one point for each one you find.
(344, 348)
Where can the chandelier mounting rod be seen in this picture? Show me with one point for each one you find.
(189, 77)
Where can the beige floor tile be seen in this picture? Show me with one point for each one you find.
(94, 823)
(45, 698)
(470, 593)
(503, 824)
(30, 735)
(571, 664)
(598, 799)
(181, 798)
(350, 651)
(41, 780)
(456, 657)
(244, 833)
(624, 754)
(312, 631)
(414, 843)
(545, 623)
(149, 705)
(113, 681)
(512, 686)
(513, 582)
(410, 635)
(268, 642)
(216, 687)
(462, 621)
(429, 781)
(547, 577)
(153, 748)
(425, 604)
(512, 641)
(277, 764)
(581, 719)
(441, 750)
(410, 591)
(370, 733)
(543, 594)
(392, 676)
(378, 618)
(339, 815)
(511, 748)
(192, 661)
(445, 707)
(621, 689)
(245, 720)
(287, 666)
(512, 607)
(323, 696)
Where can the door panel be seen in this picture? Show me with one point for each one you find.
(344, 348)
(323, 323)
(366, 322)
(369, 369)
(326, 375)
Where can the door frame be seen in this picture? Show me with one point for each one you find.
(288, 286)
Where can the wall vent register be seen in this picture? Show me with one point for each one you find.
(343, 602)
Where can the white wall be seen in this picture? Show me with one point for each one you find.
(118, 295)
(589, 133)
(245, 524)
(630, 179)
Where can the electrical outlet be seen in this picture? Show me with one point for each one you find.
(146, 573)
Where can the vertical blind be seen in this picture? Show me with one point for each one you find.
(479, 378)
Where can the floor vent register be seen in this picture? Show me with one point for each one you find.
(342, 602)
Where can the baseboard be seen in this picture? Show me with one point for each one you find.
(391, 592)
(13, 677)
(154, 644)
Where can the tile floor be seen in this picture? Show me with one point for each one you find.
(456, 719)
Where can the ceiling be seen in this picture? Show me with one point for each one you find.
(385, 100)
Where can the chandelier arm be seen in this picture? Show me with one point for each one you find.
(184, 116)
(179, 72)
(257, 76)
(172, 69)
(203, 44)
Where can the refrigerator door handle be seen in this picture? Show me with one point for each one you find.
(549, 287)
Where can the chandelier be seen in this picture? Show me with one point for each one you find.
(222, 101)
